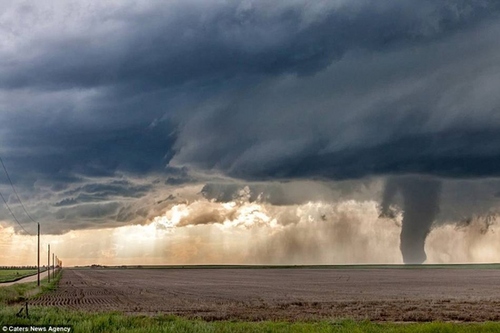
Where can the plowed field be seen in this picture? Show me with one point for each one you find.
(290, 294)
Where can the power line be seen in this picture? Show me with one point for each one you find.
(12, 213)
(24, 208)
(18, 198)
(14, 189)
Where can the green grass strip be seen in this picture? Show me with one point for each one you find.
(116, 322)
(11, 275)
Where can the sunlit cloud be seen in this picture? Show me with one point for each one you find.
(243, 232)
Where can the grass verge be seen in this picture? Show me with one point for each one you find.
(115, 322)
(54, 282)
(11, 275)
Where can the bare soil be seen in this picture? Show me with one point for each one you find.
(285, 294)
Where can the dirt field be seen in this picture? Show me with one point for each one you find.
(290, 294)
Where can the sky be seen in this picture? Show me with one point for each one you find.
(251, 132)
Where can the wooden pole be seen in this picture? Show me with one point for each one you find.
(53, 267)
(48, 264)
(38, 262)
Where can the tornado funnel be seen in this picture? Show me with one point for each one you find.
(420, 208)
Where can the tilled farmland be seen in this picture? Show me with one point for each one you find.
(285, 294)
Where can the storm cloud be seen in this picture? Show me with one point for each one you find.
(107, 109)
(333, 89)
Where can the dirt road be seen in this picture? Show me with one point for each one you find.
(291, 294)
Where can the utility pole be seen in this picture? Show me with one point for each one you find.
(38, 262)
(53, 267)
(48, 264)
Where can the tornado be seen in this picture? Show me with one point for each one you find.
(420, 201)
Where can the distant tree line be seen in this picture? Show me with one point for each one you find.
(18, 267)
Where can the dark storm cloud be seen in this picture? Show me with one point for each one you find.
(93, 203)
(178, 176)
(463, 154)
(103, 192)
(251, 89)
(279, 193)
(168, 44)
(428, 109)
(111, 87)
